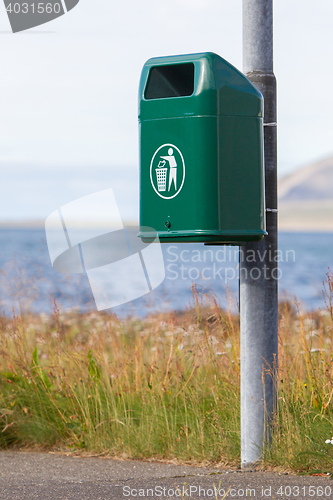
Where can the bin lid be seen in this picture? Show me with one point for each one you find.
(195, 85)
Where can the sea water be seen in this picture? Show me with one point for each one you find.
(28, 281)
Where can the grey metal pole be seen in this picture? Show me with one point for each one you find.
(258, 268)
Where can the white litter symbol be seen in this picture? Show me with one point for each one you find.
(164, 171)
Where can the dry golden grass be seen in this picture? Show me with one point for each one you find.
(164, 387)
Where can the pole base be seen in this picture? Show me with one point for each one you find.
(250, 466)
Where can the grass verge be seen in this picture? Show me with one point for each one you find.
(164, 387)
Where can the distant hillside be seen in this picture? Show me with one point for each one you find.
(314, 182)
(306, 198)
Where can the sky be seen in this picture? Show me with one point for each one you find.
(69, 92)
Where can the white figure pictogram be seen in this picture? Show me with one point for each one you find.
(167, 172)
(173, 168)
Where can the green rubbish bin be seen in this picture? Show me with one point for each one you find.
(201, 151)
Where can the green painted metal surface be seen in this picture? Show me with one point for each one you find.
(201, 151)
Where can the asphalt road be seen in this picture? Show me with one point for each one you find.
(44, 476)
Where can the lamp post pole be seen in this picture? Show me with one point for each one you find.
(258, 267)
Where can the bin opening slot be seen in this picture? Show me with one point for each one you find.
(174, 80)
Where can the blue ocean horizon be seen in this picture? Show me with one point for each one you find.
(29, 283)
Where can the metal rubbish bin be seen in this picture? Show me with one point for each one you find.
(201, 151)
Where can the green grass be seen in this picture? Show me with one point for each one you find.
(164, 387)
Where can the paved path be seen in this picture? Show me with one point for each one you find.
(44, 476)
